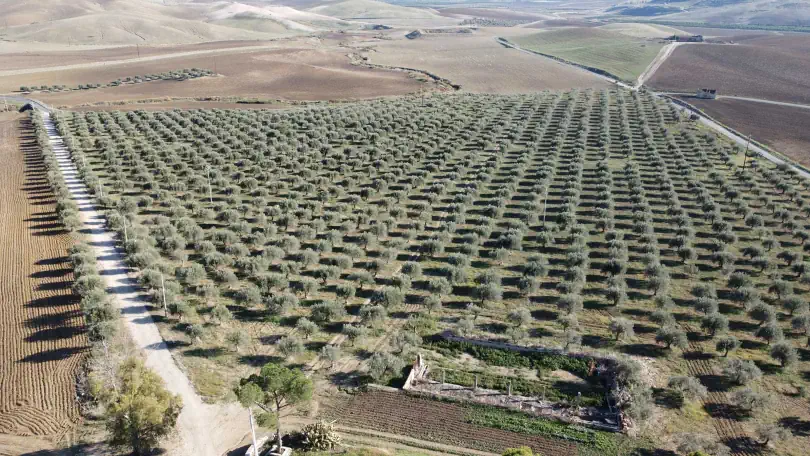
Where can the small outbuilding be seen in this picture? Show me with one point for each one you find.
(706, 94)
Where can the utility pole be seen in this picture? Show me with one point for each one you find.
(163, 291)
(210, 193)
(253, 433)
(138, 48)
(745, 155)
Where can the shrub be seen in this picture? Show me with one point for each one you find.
(672, 336)
(741, 372)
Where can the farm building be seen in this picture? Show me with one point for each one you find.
(706, 94)
(686, 39)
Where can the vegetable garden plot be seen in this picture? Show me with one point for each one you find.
(556, 219)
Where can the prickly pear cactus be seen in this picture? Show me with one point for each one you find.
(320, 436)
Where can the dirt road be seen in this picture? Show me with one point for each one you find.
(203, 429)
(760, 100)
(743, 142)
(662, 56)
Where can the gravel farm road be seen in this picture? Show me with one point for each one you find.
(202, 429)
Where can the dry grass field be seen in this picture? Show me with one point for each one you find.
(769, 67)
(479, 64)
(42, 338)
(780, 127)
(306, 72)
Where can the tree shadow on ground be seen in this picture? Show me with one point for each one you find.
(259, 360)
(649, 350)
(715, 383)
(665, 397)
(727, 411)
(743, 445)
(212, 352)
(797, 426)
(595, 341)
(346, 379)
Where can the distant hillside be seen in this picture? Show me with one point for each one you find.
(124, 22)
(762, 12)
(370, 9)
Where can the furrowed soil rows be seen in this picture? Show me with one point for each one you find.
(42, 338)
(435, 421)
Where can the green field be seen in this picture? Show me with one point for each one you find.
(623, 56)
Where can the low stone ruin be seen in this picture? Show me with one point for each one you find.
(602, 418)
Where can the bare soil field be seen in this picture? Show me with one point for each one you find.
(724, 33)
(301, 73)
(42, 337)
(479, 64)
(491, 13)
(434, 421)
(771, 67)
(781, 127)
(17, 59)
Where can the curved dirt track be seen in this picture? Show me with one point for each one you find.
(202, 429)
(42, 341)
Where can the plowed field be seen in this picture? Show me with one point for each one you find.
(41, 334)
(435, 421)
(768, 67)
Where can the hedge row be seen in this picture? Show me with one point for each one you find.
(97, 307)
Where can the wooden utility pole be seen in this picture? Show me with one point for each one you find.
(138, 48)
(745, 155)
(210, 193)
(163, 292)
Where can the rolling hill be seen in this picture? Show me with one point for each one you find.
(760, 12)
(118, 22)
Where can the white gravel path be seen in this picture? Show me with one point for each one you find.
(202, 429)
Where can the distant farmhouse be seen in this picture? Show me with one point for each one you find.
(706, 94)
(686, 39)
